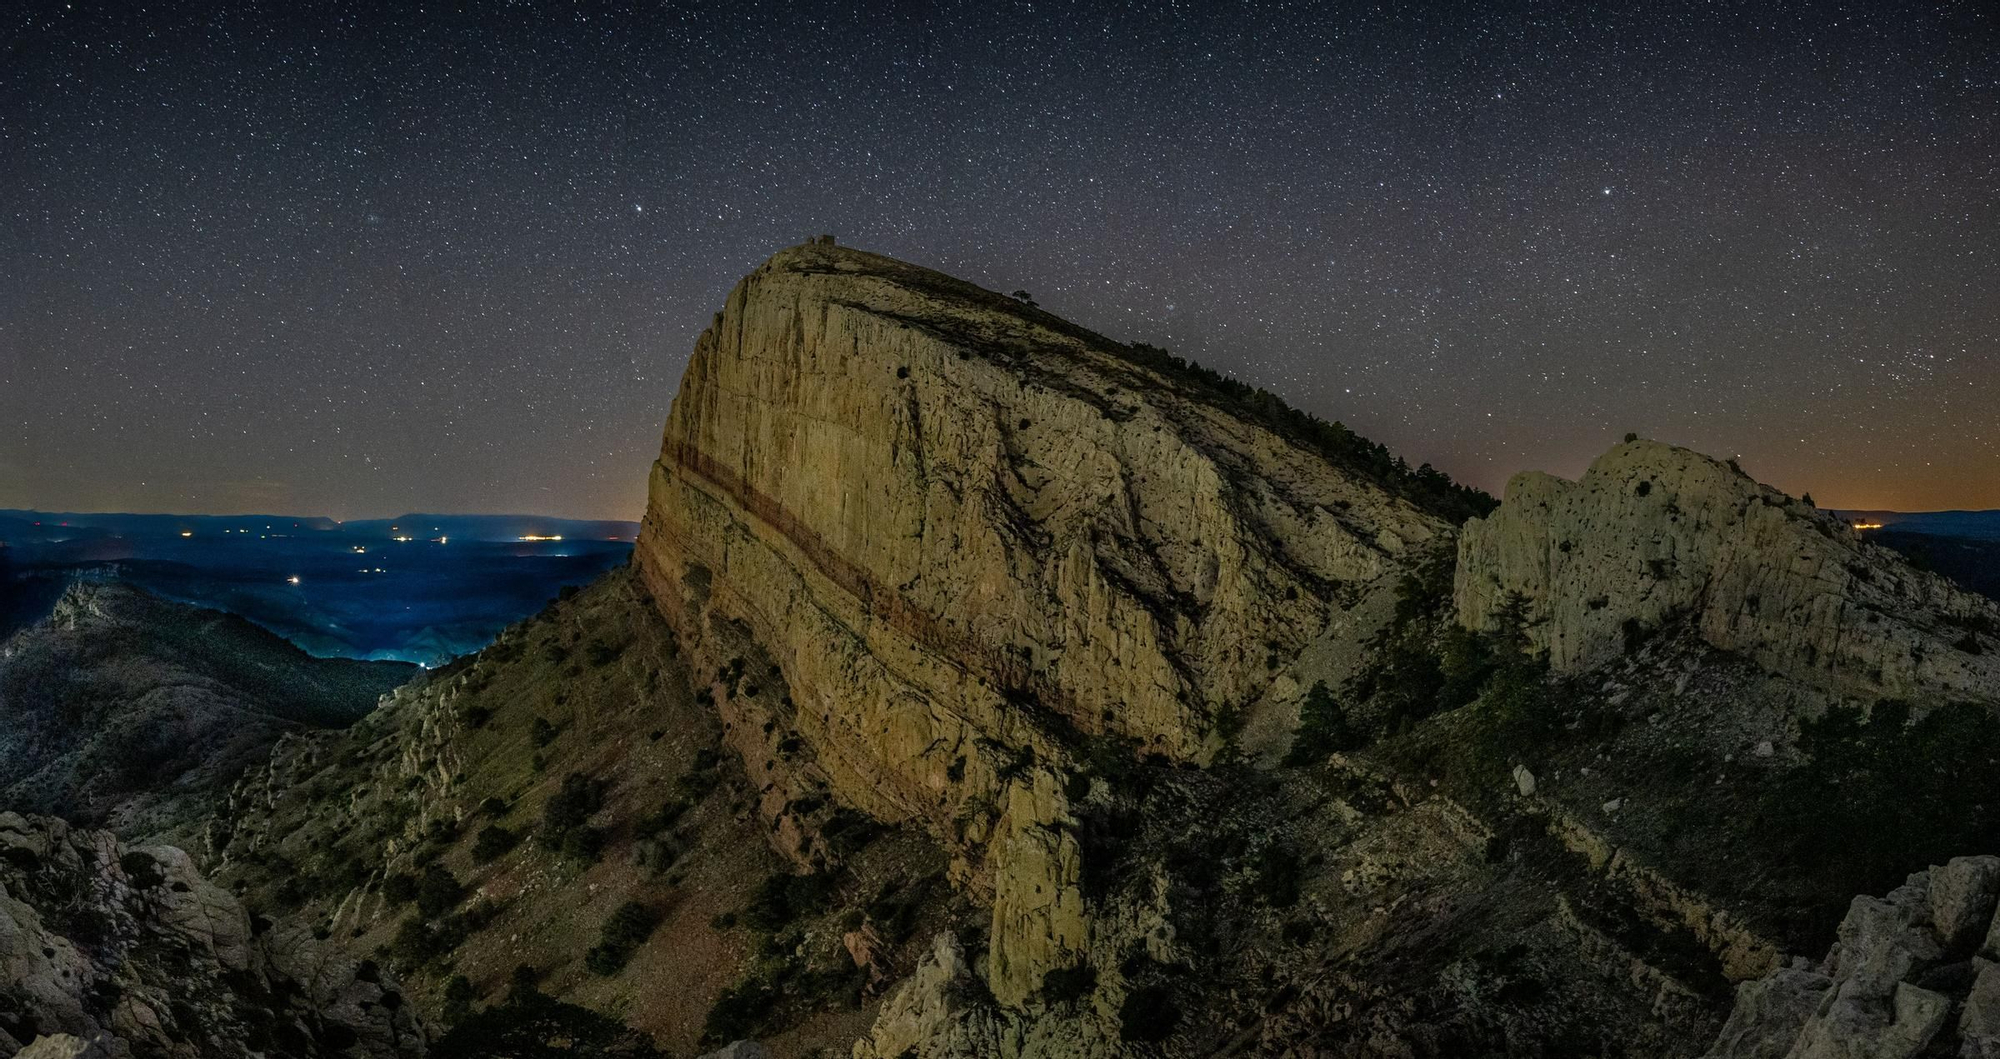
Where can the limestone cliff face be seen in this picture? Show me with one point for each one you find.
(1653, 533)
(957, 523)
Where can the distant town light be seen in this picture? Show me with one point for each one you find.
(187, 533)
(1867, 525)
(292, 580)
(537, 537)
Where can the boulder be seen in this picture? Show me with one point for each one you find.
(1769, 1014)
(1962, 898)
(1890, 984)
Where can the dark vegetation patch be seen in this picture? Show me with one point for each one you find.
(531, 1025)
(622, 934)
(1880, 795)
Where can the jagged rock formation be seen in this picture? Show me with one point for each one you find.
(125, 709)
(1916, 972)
(1653, 534)
(117, 951)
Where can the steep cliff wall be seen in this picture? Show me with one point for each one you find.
(957, 521)
(1652, 534)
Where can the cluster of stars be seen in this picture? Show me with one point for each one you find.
(363, 258)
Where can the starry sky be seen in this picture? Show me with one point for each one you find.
(360, 259)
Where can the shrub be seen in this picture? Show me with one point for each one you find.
(662, 818)
(584, 843)
(739, 1012)
(570, 807)
(541, 731)
(140, 867)
(784, 897)
(622, 934)
(1634, 633)
(438, 891)
(1148, 1014)
(493, 841)
(1464, 661)
(1067, 985)
(847, 831)
(1323, 729)
(399, 888)
(1278, 871)
(413, 945)
(458, 997)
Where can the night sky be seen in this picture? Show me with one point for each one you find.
(377, 258)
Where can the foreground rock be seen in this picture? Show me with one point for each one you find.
(1916, 972)
(115, 951)
(948, 710)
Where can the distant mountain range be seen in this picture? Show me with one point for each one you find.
(17, 525)
(420, 588)
(1961, 545)
(1981, 525)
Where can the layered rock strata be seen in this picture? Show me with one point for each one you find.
(965, 536)
(950, 516)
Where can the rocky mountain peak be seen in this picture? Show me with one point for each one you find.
(1653, 535)
(953, 516)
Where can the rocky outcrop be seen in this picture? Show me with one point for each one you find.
(1911, 973)
(964, 535)
(1653, 535)
(1038, 922)
(956, 521)
(115, 951)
